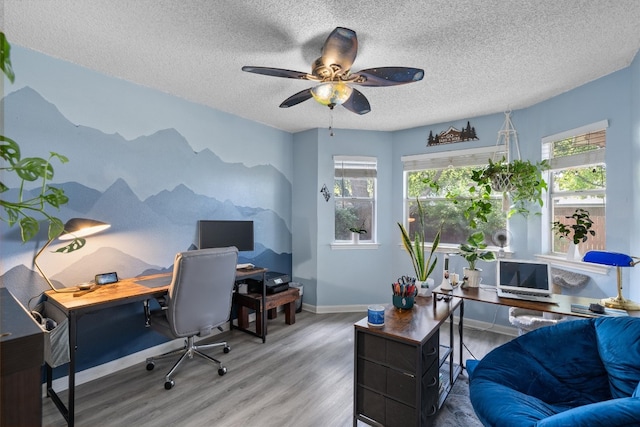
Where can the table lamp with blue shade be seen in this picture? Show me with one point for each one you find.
(616, 260)
(75, 228)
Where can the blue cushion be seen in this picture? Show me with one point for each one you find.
(624, 412)
(471, 366)
(619, 348)
(636, 393)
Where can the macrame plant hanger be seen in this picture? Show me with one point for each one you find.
(502, 182)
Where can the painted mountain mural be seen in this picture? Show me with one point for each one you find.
(152, 190)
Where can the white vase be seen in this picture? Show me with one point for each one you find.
(425, 289)
(473, 277)
(573, 253)
(355, 238)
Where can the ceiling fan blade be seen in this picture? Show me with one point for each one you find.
(340, 48)
(389, 76)
(276, 72)
(357, 103)
(296, 99)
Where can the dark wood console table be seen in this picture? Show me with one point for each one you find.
(402, 373)
(21, 359)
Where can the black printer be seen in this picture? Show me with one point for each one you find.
(275, 282)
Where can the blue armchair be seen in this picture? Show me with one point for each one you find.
(577, 373)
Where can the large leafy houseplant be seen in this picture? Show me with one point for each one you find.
(521, 179)
(474, 250)
(416, 250)
(27, 211)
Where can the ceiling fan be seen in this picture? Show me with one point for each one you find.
(333, 73)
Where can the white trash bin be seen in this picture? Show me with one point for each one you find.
(300, 289)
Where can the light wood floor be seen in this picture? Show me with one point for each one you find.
(302, 376)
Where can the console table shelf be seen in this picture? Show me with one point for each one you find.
(397, 375)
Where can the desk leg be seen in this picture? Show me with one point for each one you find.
(73, 322)
(264, 308)
(461, 331)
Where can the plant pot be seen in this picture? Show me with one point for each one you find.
(472, 277)
(501, 182)
(355, 238)
(425, 289)
(573, 253)
(403, 303)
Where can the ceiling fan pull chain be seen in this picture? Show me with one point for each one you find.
(331, 123)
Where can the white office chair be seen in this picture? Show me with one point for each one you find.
(199, 299)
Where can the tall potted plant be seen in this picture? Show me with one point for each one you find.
(423, 267)
(577, 232)
(472, 251)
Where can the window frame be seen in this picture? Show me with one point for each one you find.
(584, 159)
(370, 171)
(470, 157)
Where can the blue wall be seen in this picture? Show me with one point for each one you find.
(152, 164)
(149, 164)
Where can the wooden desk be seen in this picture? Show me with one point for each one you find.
(74, 305)
(126, 291)
(561, 304)
(397, 366)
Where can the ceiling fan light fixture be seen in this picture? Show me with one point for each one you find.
(331, 93)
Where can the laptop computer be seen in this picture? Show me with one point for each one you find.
(524, 279)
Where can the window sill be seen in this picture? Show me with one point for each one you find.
(589, 267)
(349, 245)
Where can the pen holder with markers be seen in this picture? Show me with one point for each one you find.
(404, 293)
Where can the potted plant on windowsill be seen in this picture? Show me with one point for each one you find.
(356, 232)
(473, 251)
(423, 267)
(577, 232)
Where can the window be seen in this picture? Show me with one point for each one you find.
(451, 170)
(577, 178)
(354, 189)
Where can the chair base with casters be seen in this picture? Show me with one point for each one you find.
(188, 351)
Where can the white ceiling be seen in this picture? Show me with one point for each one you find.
(479, 56)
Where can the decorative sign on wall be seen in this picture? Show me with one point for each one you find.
(452, 134)
(325, 192)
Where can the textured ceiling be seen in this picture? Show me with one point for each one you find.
(479, 56)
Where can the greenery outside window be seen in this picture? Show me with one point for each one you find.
(451, 170)
(577, 179)
(354, 192)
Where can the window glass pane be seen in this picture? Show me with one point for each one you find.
(579, 144)
(353, 187)
(353, 213)
(440, 210)
(580, 179)
(566, 206)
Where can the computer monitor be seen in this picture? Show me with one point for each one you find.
(223, 233)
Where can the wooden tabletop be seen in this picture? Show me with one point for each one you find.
(561, 304)
(414, 325)
(101, 295)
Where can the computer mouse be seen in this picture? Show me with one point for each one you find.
(596, 308)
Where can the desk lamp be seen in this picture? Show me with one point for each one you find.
(75, 228)
(617, 260)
